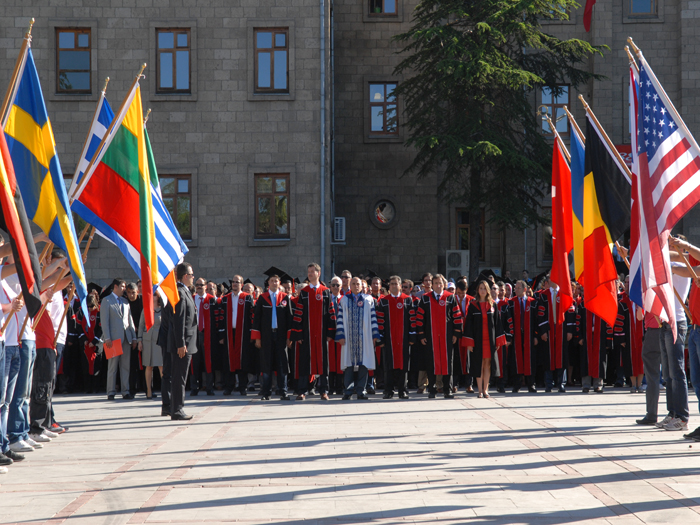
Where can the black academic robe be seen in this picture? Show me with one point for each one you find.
(437, 321)
(596, 336)
(473, 334)
(241, 353)
(312, 324)
(272, 355)
(397, 326)
(209, 331)
(521, 328)
(554, 352)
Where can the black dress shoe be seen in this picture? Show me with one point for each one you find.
(285, 398)
(548, 389)
(362, 397)
(388, 395)
(14, 456)
(500, 390)
(562, 389)
(5, 461)
(210, 393)
(194, 392)
(180, 417)
(227, 392)
(515, 390)
(586, 389)
(110, 398)
(127, 396)
(598, 390)
(452, 396)
(370, 390)
(431, 395)
(244, 393)
(346, 397)
(403, 395)
(165, 412)
(265, 398)
(532, 389)
(646, 422)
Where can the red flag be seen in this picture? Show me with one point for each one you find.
(15, 222)
(562, 230)
(588, 14)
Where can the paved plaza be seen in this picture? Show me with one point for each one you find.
(526, 458)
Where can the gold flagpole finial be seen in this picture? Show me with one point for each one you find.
(633, 45)
(143, 66)
(29, 31)
(105, 86)
(146, 117)
(583, 101)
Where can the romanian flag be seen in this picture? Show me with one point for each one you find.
(115, 196)
(14, 221)
(606, 215)
(578, 154)
(32, 147)
(562, 236)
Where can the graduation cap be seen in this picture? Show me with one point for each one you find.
(248, 281)
(488, 272)
(538, 279)
(227, 287)
(94, 286)
(284, 276)
(371, 274)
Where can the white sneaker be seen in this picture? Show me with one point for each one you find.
(665, 421)
(29, 441)
(676, 424)
(21, 446)
(40, 438)
(49, 434)
(3, 470)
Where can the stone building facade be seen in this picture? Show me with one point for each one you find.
(268, 156)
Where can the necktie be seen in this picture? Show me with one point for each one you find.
(522, 304)
(273, 298)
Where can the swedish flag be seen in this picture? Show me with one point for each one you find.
(33, 150)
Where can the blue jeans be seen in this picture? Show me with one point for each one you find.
(18, 423)
(694, 358)
(4, 443)
(673, 366)
(12, 365)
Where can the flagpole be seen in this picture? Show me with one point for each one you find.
(631, 59)
(612, 147)
(104, 90)
(72, 292)
(574, 125)
(87, 171)
(146, 117)
(671, 107)
(19, 66)
(559, 140)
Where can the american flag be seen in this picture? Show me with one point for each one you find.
(669, 187)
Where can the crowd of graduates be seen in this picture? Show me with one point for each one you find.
(352, 336)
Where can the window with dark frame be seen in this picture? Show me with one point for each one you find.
(555, 100)
(73, 47)
(271, 60)
(381, 8)
(643, 7)
(383, 109)
(272, 206)
(177, 197)
(173, 69)
(462, 230)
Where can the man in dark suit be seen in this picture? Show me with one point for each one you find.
(182, 341)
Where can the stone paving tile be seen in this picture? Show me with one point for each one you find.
(531, 459)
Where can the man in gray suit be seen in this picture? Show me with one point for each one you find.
(182, 344)
(118, 329)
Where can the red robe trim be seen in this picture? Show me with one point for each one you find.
(438, 332)
(89, 331)
(556, 336)
(595, 327)
(523, 361)
(235, 347)
(204, 316)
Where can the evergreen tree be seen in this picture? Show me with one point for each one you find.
(471, 71)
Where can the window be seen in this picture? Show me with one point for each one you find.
(547, 250)
(555, 99)
(383, 111)
(643, 7)
(173, 56)
(272, 206)
(462, 228)
(382, 8)
(177, 197)
(271, 60)
(73, 61)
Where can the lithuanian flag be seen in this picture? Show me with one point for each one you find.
(115, 196)
(606, 216)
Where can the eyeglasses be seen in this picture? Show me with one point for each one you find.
(235, 282)
(199, 286)
(345, 277)
(334, 285)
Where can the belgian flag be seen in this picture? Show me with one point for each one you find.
(606, 216)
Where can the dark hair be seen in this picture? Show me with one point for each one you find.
(116, 282)
(57, 253)
(273, 276)
(461, 285)
(182, 269)
(429, 275)
(132, 286)
(90, 301)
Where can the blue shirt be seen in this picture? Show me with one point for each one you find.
(273, 298)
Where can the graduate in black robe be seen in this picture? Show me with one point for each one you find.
(520, 323)
(272, 328)
(595, 338)
(242, 359)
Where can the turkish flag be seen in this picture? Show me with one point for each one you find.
(588, 14)
(562, 230)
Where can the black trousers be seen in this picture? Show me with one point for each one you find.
(43, 381)
(446, 383)
(178, 380)
(136, 383)
(394, 378)
(199, 370)
(166, 379)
